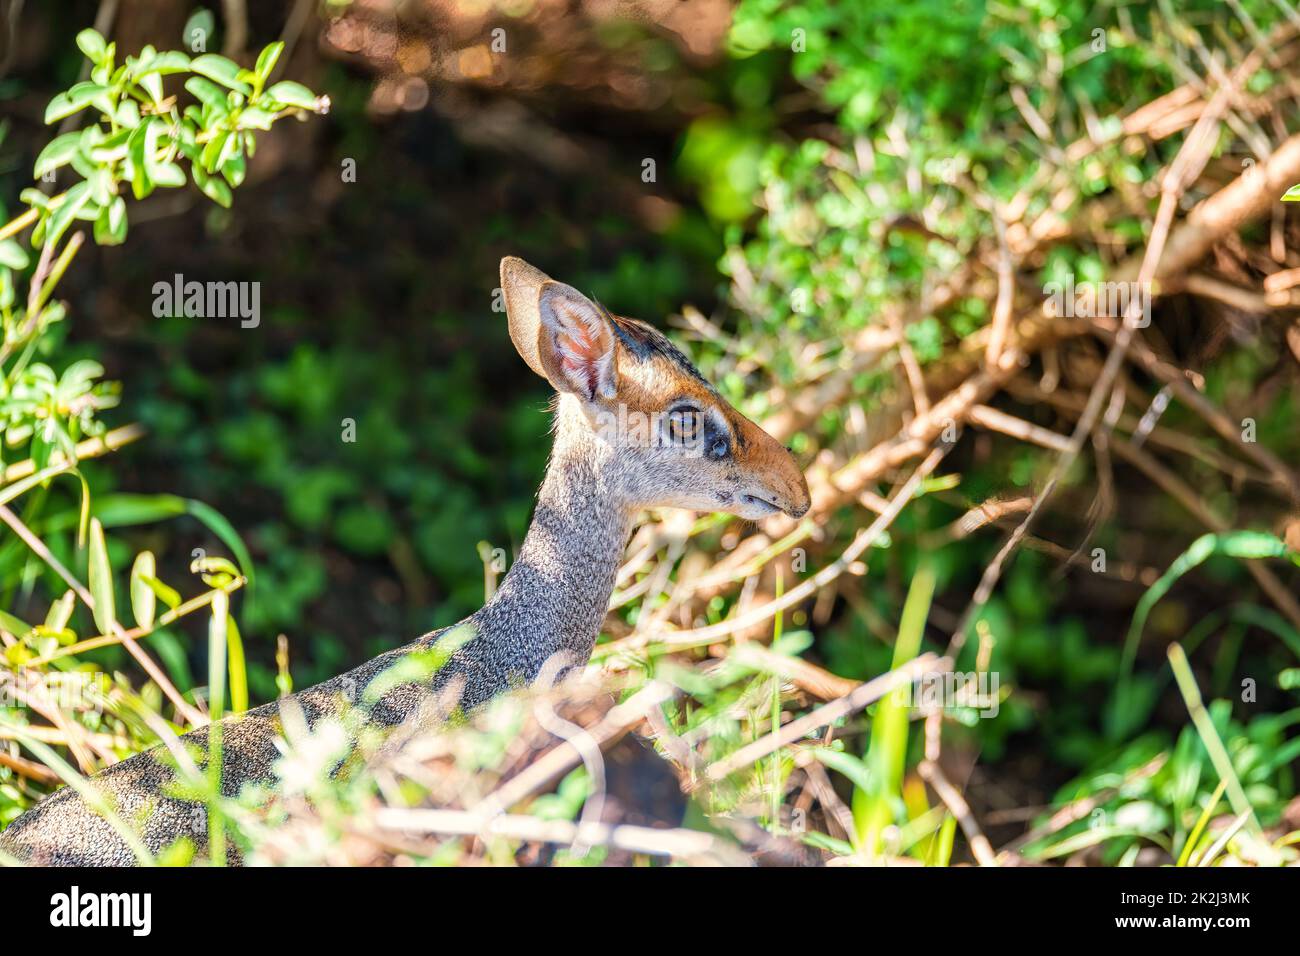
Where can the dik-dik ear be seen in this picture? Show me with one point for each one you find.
(576, 344)
(522, 287)
(562, 335)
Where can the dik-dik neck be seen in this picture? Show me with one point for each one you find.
(555, 595)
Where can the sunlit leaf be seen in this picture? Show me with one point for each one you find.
(267, 59)
(293, 94)
(101, 580)
(92, 44)
(218, 68)
(143, 597)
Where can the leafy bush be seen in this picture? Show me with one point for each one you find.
(140, 138)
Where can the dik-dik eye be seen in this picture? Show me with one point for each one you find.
(719, 448)
(685, 424)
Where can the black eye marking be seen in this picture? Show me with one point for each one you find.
(689, 427)
(717, 440)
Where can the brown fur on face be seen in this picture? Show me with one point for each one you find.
(674, 441)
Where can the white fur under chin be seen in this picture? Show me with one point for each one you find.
(755, 511)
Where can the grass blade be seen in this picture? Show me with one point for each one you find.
(874, 806)
(1210, 737)
(217, 637)
(1184, 858)
(236, 668)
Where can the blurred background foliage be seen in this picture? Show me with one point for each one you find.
(771, 178)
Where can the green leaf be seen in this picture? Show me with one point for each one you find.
(74, 199)
(92, 44)
(168, 174)
(143, 597)
(179, 853)
(74, 100)
(110, 227)
(58, 152)
(218, 631)
(208, 93)
(215, 570)
(77, 379)
(199, 29)
(101, 580)
(254, 118)
(152, 83)
(15, 626)
(224, 71)
(111, 148)
(103, 73)
(128, 114)
(1292, 194)
(267, 59)
(101, 193)
(234, 168)
(293, 94)
(34, 198)
(158, 171)
(237, 669)
(212, 150)
(172, 61)
(214, 187)
(12, 255)
(1207, 811)
(168, 595)
(139, 64)
(117, 510)
(847, 764)
(138, 160)
(61, 611)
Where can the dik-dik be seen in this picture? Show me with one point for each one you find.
(636, 426)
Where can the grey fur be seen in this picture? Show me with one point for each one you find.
(553, 600)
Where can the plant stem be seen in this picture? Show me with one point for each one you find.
(19, 223)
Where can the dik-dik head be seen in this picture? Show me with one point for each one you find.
(671, 438)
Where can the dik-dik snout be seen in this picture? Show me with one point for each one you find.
(664, 434)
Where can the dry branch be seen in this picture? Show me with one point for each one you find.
(827, 714)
